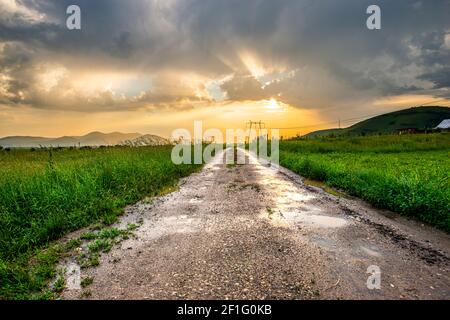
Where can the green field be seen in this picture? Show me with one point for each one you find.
(45, 195)
(408, 174)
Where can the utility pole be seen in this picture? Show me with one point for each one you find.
(257, 124)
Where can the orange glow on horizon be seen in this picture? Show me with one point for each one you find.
(232, 115)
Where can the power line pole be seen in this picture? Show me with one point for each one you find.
(258, 124)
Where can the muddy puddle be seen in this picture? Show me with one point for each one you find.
(291, 206)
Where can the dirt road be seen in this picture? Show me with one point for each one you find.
(254, 232)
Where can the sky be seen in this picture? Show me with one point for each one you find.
(152, 66)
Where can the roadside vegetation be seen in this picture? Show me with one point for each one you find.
(408, 174)
(45, 194)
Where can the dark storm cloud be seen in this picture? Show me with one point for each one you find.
(325, 41)
(440, 79)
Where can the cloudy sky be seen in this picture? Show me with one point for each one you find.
(151, 66)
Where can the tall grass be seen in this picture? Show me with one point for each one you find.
(46, 194)
(406, 174)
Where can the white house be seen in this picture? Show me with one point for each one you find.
(445, 124)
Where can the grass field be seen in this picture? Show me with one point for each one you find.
(45, 195)
(408, 174)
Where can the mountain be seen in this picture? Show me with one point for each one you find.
(23, 141)
(416, 117)
(107, 139)
(146, 140)
(90, 139)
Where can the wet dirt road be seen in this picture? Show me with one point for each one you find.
(254, 232)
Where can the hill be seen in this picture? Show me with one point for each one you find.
(416, 117)
(323, 133)
(90, 139)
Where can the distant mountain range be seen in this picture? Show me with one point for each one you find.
(415, 118)
(90, 139)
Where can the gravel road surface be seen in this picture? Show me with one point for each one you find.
(257, 232)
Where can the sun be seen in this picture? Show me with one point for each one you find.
(272, 105)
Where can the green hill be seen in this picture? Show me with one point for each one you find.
(324, 133)
(416, 117)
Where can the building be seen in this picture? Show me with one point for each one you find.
(445, 124)
(407, 131)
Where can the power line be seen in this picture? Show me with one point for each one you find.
(259, 124)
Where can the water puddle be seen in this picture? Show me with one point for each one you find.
(170, 225)
(324, 187)
(292, 205)
(195, 201)
(370, 251)
(314, 220)
(296, 196)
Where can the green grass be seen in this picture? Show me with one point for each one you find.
(86, 282)
(408, 174)
(44, 195)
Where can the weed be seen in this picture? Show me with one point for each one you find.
(88, 236)
(100, 245)
(72, 244)
(269, 212)
(85, 294)
(86, 282)
(59, 284)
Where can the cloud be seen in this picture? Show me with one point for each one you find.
(308, 54)
(244, 87)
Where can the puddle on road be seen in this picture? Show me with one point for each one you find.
(314, 220)
(324, 187)
(295, 196)
(371, 252)
(293, 205)
(169, 225)
(195, 201)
